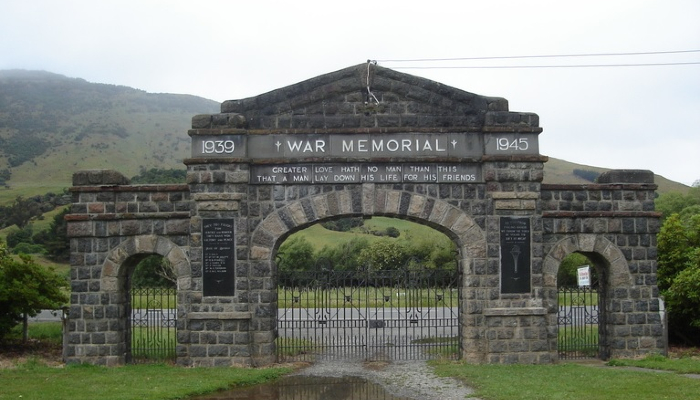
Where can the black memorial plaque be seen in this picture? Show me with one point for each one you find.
(218, 263)
(515, 254)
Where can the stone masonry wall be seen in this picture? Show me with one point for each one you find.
(112, 224)
(105, 214)
(596, 219)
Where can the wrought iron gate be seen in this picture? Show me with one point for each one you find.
(580, 332)
(371, 315)
(151, 327)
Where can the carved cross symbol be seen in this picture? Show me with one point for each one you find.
(278, 144)
(454, 143)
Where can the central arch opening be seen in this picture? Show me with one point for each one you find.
(371, 289)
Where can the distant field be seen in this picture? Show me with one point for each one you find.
(319, 237)
(38, 224)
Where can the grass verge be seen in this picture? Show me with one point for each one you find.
(33, 380)
(682, 365)
(50, 333)
(568, 381)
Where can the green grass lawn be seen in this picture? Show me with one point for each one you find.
(47, 332)
(683, 365)
(139, 382)
(34, 380)
(568, 381)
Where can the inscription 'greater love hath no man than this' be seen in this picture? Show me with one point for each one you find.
(360, 173)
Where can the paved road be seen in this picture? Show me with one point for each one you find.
(46, 316)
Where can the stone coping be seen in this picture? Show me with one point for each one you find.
(220, 315)
(128, 216)
(497, 312)
(476, 160)
(601, 214)
(166, 187)
(217, 196)
(599, 186)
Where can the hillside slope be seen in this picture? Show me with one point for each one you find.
(560, 171)
(52, 126)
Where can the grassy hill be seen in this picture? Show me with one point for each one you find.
(560, 171)
(320, 237)
(52, 126)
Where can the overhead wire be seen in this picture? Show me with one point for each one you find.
(547, 66)
(542, 56)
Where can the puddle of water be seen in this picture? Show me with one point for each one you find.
(308, 388)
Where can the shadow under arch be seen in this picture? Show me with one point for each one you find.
(368, 201)
(613, 273)
(438, 214)
(124, 257)
(599, 249)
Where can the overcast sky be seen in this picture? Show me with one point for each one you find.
(641, 117)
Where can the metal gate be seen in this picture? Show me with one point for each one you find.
(580, 334)
(370, 315)
(151, 327)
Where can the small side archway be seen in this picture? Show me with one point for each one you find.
(613, 274)
(116, 270)
(116, 266)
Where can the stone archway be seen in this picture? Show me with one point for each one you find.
(415, 149)
(613, 272)
(436, 213)
(114, 271)
(117, 267)
(618, 274)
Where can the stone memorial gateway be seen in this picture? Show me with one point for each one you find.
(362, 141)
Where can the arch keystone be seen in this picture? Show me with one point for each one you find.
(416, 206)
(587, 242)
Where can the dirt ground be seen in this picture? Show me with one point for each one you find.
(14, 353)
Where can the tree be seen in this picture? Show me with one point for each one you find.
(23, 235)
(384, 254)
(296, 254)
(344, 255)
(21, 212)
(153, 271)
(676, 243)
(25, 289)
(679, 272)
(683, 297)
(674, 202)
(55, 239)
(160, 176)
(567, 276)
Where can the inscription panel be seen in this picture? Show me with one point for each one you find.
(511, 143)
(515, 254)
(419, 146)
(363, 172)
(218, 257)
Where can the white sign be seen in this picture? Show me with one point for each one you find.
(584, 275)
